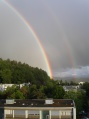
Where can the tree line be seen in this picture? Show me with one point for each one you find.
(17, 72)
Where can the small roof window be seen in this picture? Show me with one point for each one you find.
(49, 101)
(9, 101)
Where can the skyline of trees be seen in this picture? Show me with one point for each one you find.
(17, 72)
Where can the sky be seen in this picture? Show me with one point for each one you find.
(63, 30)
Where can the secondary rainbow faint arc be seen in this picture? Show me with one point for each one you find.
(28, 25)
(67, 43)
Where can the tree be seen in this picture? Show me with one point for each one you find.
(25, 91)
(1, 95)
(58, 92)
(85, 86)
(40, 92)
(6, 76)
(32, 91)
(48, 89)
(79, 98)
(9, 91)
(17, 95)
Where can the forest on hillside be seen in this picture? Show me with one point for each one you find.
(17, 72)
(41, 86)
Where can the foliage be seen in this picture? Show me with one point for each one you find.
(16, 73)
(25, 91)
(79, 98)
(85, 86)
(67, 83)
(54, 90)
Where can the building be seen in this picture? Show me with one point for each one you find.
(38, 109)
(81, 83)
(73, 88)
(3, 87)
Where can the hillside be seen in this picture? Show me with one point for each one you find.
(17, 72)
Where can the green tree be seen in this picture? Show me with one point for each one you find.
(32, 92)
(25, 91)
(48, 89)
(6, 76)
(85, 86)
(17, 95)
(79, 98)
(9, 91)
(58, 92)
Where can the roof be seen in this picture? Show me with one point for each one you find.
(38, 103)
(67, 88)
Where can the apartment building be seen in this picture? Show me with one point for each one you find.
(38, 109)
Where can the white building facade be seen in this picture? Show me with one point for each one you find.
(40, 109)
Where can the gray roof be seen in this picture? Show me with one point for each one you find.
(38, 103)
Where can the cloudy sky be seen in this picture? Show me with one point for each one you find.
(62, 27)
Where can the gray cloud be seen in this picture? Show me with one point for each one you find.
(75, 72)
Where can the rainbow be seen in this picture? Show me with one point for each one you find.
(30, 28)
(59, 24)
(63, 33)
